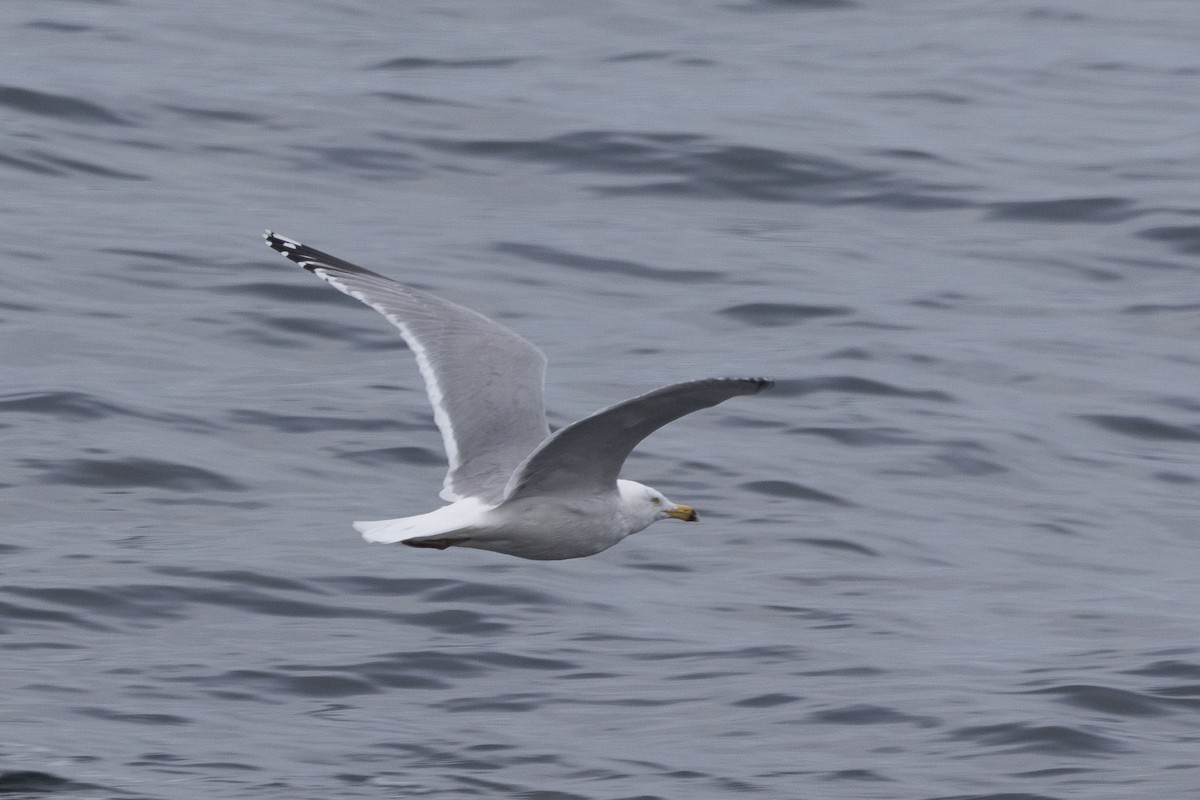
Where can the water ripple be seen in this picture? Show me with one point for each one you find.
(1184, 238)
(793, 5)
(594, 264)
(414, 62)
(1144, 427)
(866, 714)
(138, 719)
(22, 784)
(1074, 209)
(391, 456)
(793, 491)
(307, 423)
(1059, 740)
(10, 612)
(70, 406)
(1107, 700)
(697, 167)
(57, 105)
(772, 315)
(851, 384)
(130, 473)
(369, 163)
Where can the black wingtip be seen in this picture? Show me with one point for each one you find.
(758, 383)
(311, 258)
(292, 250)
(285, 247)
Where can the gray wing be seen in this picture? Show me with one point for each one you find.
(484, 381)
(587, 455)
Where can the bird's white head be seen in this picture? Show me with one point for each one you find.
(643, 505)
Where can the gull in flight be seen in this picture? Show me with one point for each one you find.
(512, 486)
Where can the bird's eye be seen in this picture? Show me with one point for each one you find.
(656, 501)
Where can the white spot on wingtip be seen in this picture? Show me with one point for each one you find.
(281, 241)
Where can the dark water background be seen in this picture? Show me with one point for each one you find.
(953, 555)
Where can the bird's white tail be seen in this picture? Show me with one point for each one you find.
(456, 517)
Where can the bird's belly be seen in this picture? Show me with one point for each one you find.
(548, 534)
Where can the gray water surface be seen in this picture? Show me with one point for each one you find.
(953, 554)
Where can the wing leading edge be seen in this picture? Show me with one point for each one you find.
(587, 455)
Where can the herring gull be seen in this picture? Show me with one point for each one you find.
(512, 486)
